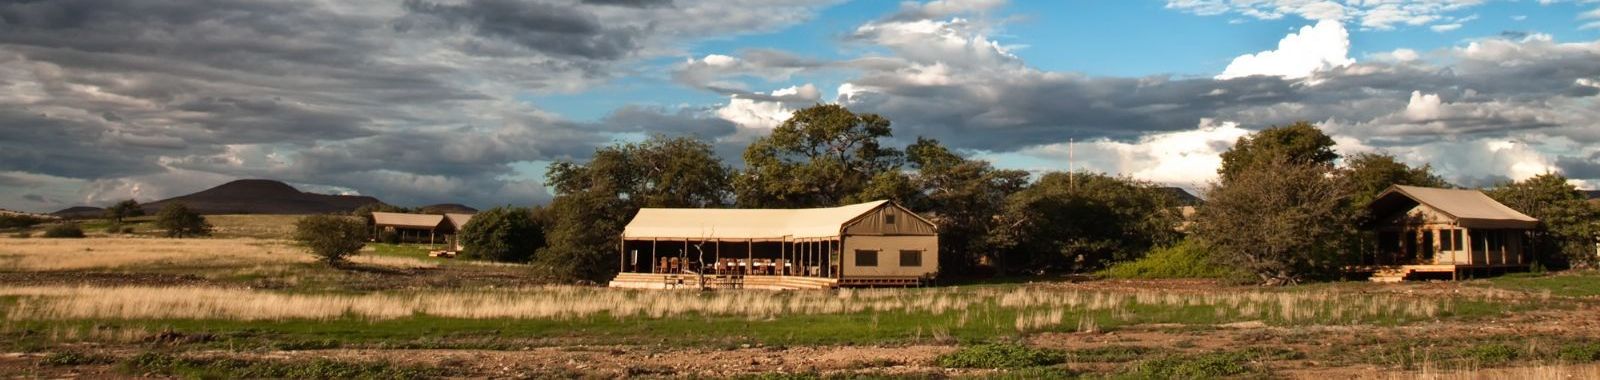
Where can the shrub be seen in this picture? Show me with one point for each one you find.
(64, 230)
(22, 235)
(505, 234)
(72, 358)
(1491, 354)
(19, 221)
(179, 221)
(1203, 366)
(1580, 353)
(999, 356)
(329, 237)
(1187, 259)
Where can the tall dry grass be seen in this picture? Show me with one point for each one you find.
(1034, 308)
(128, 252)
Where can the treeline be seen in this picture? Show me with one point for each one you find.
(1281, 210)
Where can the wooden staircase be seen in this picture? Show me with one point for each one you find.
(1391, 275)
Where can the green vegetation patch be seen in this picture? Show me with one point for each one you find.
(1569, 284)
(1213, 365)
(172, 365)
(1000, 355)
(1187, 259)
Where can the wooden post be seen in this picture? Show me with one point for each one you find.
(653, 265)
(622, 255)
(750, 256)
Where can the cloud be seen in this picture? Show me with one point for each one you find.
(1187, 158)
(1378, 15)
(767, 112)
(417, 101)
(1319, 47)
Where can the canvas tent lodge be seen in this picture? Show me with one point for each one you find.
(869, 244)
(1422, 231)
(420, 228)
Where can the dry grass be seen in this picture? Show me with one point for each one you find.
(1036, 308)
(133, 252)
(1587, 371)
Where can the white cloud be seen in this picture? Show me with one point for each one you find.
(1441, 28)
(1317, 47)
(766, 113)
(1380, 15)
(1182, 158)
(1423, 106)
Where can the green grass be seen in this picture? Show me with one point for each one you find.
(1211, 365)
(1187, 259)
(172, 365)
(415, 251)
(1000, 355)
(1567, 284)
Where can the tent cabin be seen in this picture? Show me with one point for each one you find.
(457, 223)
(1423, 230)
(412, 228)
(869, 244)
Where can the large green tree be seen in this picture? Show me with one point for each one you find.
(595, 199)
(1370, 173)
(504, 234)
(179, 221)
(1298, 143)
(965, 197)
(1282, 220)
(1084, 221)
(1567, 222)
(823, 155)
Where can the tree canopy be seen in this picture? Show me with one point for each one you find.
(179, 221)
(1282, 220)
(330, 238)
(822, 156)
(1084, 221)
(504, 234)
(127, 208)
(1298, 143)
(1371, 173)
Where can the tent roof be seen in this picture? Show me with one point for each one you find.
(459, 220)
(1470, 208)
(407, 220)
(742, 224)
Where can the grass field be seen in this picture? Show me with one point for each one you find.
(250, 305)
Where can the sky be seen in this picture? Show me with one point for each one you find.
(434, 101)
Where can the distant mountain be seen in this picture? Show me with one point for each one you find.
(80, 212)
(1182, 196)
(447, 208)
(262, 196)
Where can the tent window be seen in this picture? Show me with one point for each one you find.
(911, 258)
(866, 258)
(888, 219)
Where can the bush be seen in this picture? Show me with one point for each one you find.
(999, 356)
(505, 234)
(179, 221)
(330, 238)
(1187, 259)
(64, 230)
(1202, 366)
(1580, 353)
(19, 221)
(1491, 354)
(22, 235)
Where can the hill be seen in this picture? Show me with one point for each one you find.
(79, 212)
(447, 208)
(261, 196)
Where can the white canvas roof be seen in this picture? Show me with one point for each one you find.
(407, 220)
(1470, 208)
(459, 220)
(743, 224)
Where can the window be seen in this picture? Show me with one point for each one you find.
(911, 258)
(1445, 240)
(888, 219)
(866, 258)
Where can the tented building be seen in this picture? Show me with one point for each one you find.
(412, 228)
(869, 244)
(1421, 230)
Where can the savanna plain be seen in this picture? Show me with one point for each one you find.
(247, 303)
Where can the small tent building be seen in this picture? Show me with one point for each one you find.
(412, 228)
(867, 244)
(1422, 230)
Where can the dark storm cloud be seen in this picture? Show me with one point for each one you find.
(653, 120)
(631, 3)
(549, 28)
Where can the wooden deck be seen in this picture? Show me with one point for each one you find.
(691, 281)
(1399, 273)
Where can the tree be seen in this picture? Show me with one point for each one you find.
(822, 156)
(1084, 221)
(1371, 173)
(1283, 220)
(124, 209)
(594, 200)
(331, 238)
(504, 234)
(966, 197)
(180, 222)
(64, 230)
(1298, 143)
(1567, 229)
